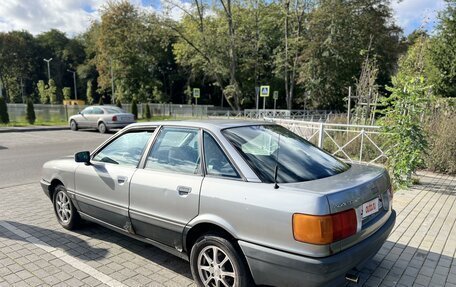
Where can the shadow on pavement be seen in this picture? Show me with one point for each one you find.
(70, 244)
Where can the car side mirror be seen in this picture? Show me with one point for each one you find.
(82, 156)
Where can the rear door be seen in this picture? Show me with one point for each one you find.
(164, 194)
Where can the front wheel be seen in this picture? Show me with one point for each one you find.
(102, 128)
(216, 262)
(65, 211)
(73, 125)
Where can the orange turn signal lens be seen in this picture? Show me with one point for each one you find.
(324, 229)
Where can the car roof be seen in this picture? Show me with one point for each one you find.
(210, 124)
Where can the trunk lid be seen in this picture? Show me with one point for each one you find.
(360, 188)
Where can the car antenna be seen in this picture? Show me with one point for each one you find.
(276, 171)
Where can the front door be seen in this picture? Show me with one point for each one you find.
(102, 188)
(164, 195)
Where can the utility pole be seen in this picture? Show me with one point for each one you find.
(49, 69)
(349, 104)
(74, 81)
(22, 91)
(112, 84)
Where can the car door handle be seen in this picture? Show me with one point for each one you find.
(184, 190)
(122, 179)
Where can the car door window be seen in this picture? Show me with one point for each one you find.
(87, 111)
(176, 149)
(97, 111)
(217, 163)
(124, 150)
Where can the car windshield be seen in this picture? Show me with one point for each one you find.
(113, 110)
(297, 159)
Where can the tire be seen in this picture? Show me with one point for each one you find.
(229, 264)
(102, 128)
(73, 125)
(66, 213)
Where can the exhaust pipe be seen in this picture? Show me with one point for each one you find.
(352, 278)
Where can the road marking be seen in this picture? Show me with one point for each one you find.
(76, 263)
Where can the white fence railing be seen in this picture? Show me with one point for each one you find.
(355, 143)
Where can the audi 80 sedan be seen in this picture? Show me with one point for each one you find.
(244, 202)
(102, 118)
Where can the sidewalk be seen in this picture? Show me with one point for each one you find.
(32, 129)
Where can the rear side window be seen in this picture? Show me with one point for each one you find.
(176, 150)
(217, 163)
(265, 146)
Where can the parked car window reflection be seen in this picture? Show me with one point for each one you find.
(217, 163)
(87, 111)
(125, 150)
(114, 110)
(175, 150)
(298, 160)
(97, 111)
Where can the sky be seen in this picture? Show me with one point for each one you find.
(74, 16)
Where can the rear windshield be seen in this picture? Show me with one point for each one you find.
(114, 110)
(298, 160)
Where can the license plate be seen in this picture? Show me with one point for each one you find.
(370, 207)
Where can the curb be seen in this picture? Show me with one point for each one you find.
(33, 129)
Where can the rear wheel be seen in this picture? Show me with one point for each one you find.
(216, 262)
(65, 211)
(73, 125)
(102, 128)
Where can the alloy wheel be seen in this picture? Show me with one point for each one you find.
(63, 207)
(215, 268)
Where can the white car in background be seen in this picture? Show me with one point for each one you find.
(102, 118)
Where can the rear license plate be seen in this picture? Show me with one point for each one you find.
(370, 207)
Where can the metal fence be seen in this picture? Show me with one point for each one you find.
(355, 143)
(54, 113)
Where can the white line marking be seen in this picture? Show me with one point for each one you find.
(76, 263)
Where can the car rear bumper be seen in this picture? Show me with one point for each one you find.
(45, 186)
(277, 268)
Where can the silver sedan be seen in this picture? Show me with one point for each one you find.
(102, 118)
(245, 202)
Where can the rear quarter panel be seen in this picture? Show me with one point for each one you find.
(260, 214)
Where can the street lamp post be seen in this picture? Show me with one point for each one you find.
(74, 80)
(49, 69)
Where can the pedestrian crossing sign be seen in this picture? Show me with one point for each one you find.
(264, 91)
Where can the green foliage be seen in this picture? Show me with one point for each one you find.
(134, 108)
(118, 103)
(42, 92)
(101, 101)
(52, 92)
(148, 114)
(30, 116)
(89, 92)
(158, 96)
(443, 52)
(407, 104)
(4, 117)
(66, 91)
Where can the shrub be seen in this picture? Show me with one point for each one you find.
(31, 117)
(66, 91)
(148, 113)
(118, 103)
(441, 156)
(134, 108)
(4, 117)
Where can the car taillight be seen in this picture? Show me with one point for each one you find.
(324, 229)
(114, 118)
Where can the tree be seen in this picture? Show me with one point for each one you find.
(148, 114)
(89, 92)
(4, 117)
(31, 117)
(66, 93)
(134, 108)
(118, 103)
(443, 52)
(42, 92)
(52, 92)
(410, 95)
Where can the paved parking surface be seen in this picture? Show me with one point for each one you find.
(36, 251)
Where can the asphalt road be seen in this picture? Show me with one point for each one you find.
(22, 154)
